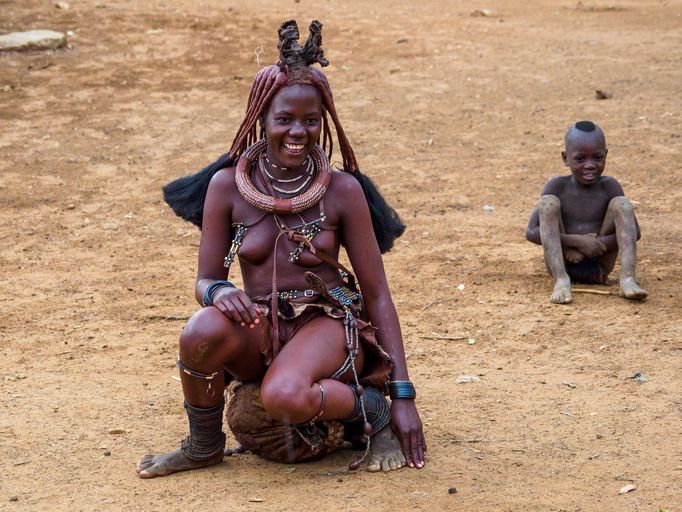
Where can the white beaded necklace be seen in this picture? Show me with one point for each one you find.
(308, 173)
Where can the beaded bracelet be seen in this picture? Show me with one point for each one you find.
(401, 389)
(207, 299)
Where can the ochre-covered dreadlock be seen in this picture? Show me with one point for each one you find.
(186, 195)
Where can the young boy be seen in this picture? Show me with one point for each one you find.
(584, 219)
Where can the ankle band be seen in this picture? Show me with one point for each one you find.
(206, 437)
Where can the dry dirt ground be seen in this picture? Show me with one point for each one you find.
(448, 112)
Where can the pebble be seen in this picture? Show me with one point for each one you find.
(603, 95)
(626, 489)
(32, 40)
(452, 490)
(463, 379)
(14, 498)
(107, 453)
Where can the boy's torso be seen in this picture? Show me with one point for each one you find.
(583, 208)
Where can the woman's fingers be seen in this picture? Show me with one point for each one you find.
(414, 448)
(249, 313)
(228, 309)
(237, 306)
(417, 450)
(421, 449)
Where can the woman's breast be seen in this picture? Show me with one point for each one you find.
(259, 241)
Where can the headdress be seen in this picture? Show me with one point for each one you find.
(295, 66)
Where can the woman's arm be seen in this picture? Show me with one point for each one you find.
(216, 233)
(358, 238)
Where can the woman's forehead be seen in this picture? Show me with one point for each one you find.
(295, 94)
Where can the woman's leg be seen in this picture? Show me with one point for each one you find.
(292, 387)
(209, 343)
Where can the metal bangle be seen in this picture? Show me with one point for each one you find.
(401, 389)
(207, 299)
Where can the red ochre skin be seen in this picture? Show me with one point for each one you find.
(229, 333)
(586, 215)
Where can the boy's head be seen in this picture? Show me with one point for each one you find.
(585, 152)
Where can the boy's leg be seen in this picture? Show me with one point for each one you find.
(620, 218)
(551, 227)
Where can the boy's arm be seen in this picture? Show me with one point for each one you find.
(533, 229)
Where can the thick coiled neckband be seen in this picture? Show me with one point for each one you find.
(296, 204)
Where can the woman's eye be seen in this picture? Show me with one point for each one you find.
(283, 120)
(312, 122)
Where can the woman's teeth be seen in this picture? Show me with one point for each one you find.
(294, 147)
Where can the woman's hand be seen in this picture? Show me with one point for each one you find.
(237, 306)
(407, 427)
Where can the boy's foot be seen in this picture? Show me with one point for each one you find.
(562, 291)
(386, 453)
(151, 466)
(631, 290)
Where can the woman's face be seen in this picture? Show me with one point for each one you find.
(292, 124)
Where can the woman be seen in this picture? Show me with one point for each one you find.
(299, 325)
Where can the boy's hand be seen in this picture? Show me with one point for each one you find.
(573, 255)
(590, 246)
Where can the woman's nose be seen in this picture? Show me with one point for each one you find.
(297, 129)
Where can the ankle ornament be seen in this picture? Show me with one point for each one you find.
(208, 377)
(372, 407)
(206, 438)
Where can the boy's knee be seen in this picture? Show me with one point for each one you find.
(548, 203)
(621, 204)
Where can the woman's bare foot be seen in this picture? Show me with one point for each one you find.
(386, 453)
(631, 290)
(562, 291)
(151, 466)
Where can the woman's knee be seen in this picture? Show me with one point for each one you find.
(290, 400)
(205, 331)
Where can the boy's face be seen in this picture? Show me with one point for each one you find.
(585, 155)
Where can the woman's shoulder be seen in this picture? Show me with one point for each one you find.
(223, 181)
(344, 183)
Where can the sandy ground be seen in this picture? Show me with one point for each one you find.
(448, 112)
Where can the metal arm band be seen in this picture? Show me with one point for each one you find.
(401, 389)
(207, 299)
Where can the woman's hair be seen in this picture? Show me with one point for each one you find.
(186, 195)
